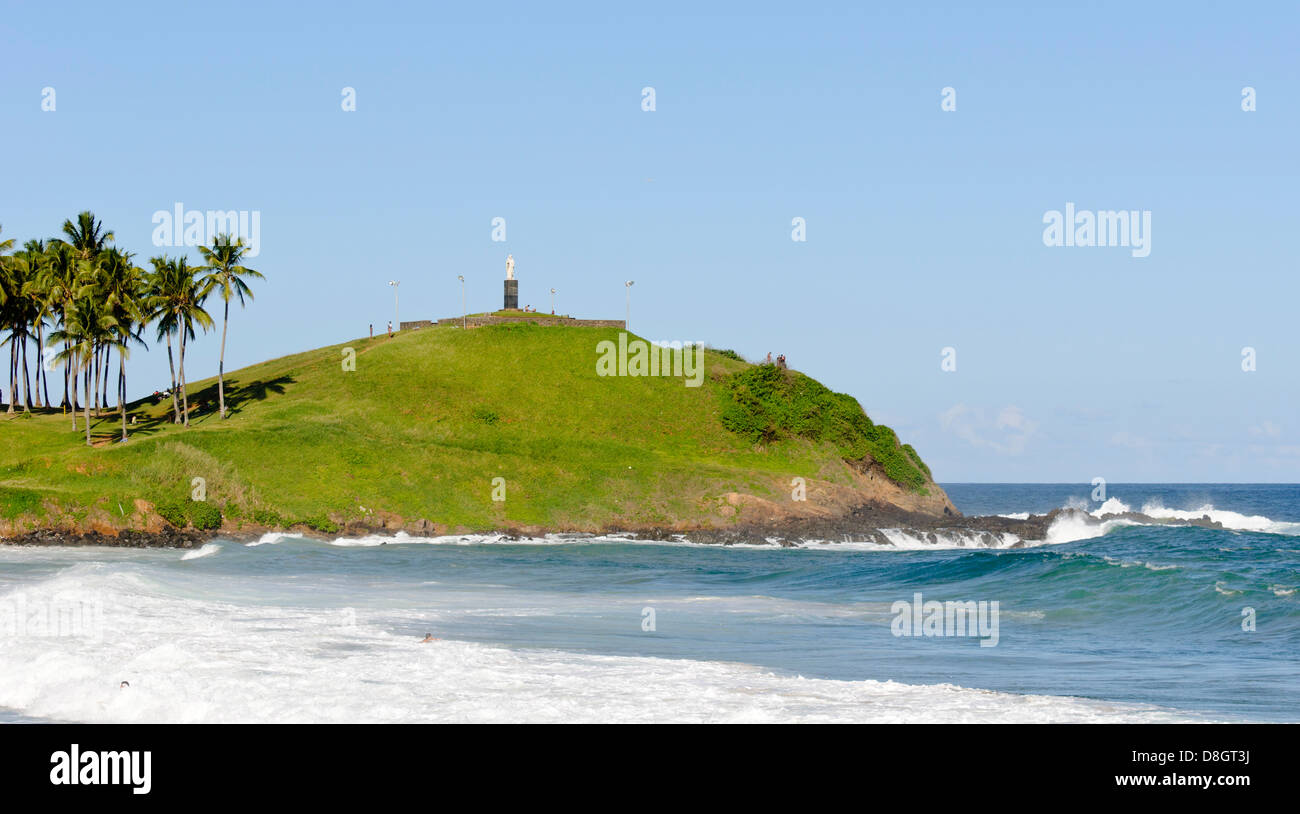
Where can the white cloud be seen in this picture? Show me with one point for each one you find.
(1124, 438)
(1266, 430)
(1006, 433)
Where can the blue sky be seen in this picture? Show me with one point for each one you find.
(924, 226)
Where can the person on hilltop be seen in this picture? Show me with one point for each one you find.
(390, 329)
(769, 358)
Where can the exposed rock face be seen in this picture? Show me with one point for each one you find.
(877, 488)
(164, 537)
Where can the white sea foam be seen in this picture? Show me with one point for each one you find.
(1139, 564)
(202, 661)
(1067, 528)
(1230, 520)
(1070, 528)
(273, 537)
(909, 541)
(1112, 505)
(207, 550)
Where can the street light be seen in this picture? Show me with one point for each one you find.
(464, 318)
(397, 314)
(552, 302)
(628, 319)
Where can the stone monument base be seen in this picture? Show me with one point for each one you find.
(512, 295)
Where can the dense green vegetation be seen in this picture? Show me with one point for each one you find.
(423, 425)
(767, 404)
(199, 514)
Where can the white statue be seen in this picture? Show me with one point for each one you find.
(510, 266)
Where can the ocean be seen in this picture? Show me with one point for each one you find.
(1136, 623)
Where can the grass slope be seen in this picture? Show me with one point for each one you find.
(418, 431)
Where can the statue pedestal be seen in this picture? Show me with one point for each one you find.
(512, 295)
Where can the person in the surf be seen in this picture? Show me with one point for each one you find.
(428, 637)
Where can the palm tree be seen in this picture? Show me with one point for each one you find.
(19, 313)
(8, 292)
(176, 299)
(121, 295)
(89, 239)
(226, 275)
(64, 276)
(162, 281)
(37, 290)
(84, 328)
(87, 236)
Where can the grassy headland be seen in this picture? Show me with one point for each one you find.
(414, 437)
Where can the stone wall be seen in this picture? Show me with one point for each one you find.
(538, 319)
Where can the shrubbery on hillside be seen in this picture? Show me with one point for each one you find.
(181, 513)
(769, 404)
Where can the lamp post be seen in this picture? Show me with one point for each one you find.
(464, 317)
(628, 319)
(552, 302)
(397, 314)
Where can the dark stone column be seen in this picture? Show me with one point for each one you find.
(512, 294)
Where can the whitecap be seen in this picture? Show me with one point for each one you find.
(207, 550)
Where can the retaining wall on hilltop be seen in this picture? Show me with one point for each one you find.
(538, 319)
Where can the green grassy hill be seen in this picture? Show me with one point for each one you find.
(415, 436)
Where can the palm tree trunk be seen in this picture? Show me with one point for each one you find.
(89, 396)
(69, 375)
(185, 398)
(176, 409)
(93, 387)
(221, 363)
(108, 353)
(13, 374)
(27, 385)
(45, 374)
(36, 373)
(121, 390)
(36, 370)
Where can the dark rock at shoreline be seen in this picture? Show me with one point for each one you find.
(863, 524)
(126, 538)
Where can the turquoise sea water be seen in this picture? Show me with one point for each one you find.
(1143, 622)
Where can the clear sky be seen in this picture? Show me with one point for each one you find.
(924, 226)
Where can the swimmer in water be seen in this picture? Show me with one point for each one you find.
(428, 637)
(124, 685)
